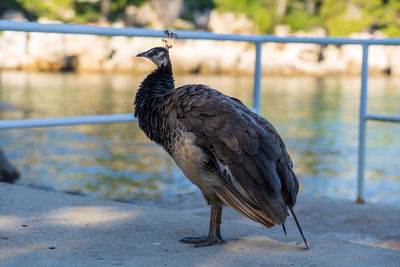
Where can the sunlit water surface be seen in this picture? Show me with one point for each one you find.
(317, 118)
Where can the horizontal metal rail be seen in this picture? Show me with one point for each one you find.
(258, 40)
(65, 121)
(6, 25)
(381, 117)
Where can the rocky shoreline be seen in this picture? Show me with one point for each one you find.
(81, 53)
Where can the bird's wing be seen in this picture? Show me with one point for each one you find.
(290, 184)
(257, 177)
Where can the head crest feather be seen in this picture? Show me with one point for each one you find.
(170, 38)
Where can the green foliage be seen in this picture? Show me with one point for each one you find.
(9, 4)
(191, 6)
(91, 11)
(391, 18)
(117, 7)
(264, 19)
(52, 9)
(392, 30)
(338, 17)
(301, 20)
(199, 5)
(87, 12)
(68, 10)
(262, 12)
(342, 17)
(15, 5)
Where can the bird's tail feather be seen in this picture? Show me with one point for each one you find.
(231, 199)
(298, 226)
(284, 228)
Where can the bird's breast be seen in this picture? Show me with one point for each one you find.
(191, 159)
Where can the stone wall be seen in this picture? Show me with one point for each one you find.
(55, 52)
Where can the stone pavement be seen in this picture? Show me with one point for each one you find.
(44, 228)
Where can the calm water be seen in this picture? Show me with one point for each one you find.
(317, 117)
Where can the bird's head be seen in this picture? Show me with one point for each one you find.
(159, 56)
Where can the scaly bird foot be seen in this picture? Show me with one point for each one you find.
(202, 241)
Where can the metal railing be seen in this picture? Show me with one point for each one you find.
(258, 40)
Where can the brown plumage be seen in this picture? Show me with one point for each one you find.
(233, 155)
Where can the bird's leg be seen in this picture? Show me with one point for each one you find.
(218, 224)
(214, 234)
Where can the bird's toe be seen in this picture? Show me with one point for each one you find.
(209, 242)
(193, 240)
(202, 241)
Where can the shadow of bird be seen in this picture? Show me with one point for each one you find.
(8, 173)
(234, 156)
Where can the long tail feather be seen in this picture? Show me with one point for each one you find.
(298, 226)
(284, 228)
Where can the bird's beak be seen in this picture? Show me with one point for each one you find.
(143, 54)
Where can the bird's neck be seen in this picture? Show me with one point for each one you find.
(150, 108)
(158, 83)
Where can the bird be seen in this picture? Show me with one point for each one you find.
(233, 155)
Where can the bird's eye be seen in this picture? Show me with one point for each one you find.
(159, 54)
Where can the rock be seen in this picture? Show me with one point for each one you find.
(92, 51)
(174, 8)
(352, 56)
(69, 52)
(201, 18)
(13, 14)
(47, 49)
(394, 59)
(66, 14)
(69, 63)
(378, 58)
(181, 64)
(230, 23)
(8, 173)
(152, 14)
(146, 16)
(183, 24)
(282, 30)
(118, 24)
(333, 61)
(119, 58)
(44, 20)
(129, 16)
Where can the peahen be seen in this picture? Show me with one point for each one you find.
(234, 156)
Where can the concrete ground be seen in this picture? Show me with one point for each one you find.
(43, 228)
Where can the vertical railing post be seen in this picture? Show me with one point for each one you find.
(362, 124)
(257, 80)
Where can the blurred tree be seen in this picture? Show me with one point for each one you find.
(282, 6)
(389, 18)
(105, 10)
(87, 11)
(6, 5)
(52, 9)
(117, 7)
(342, 17)
(262, 12)
(9, 4)
(302, 15)
(190, 7)
(311, 6)
(338, 17)
(102, 10)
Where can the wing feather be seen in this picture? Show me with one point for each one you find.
(261, 182)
